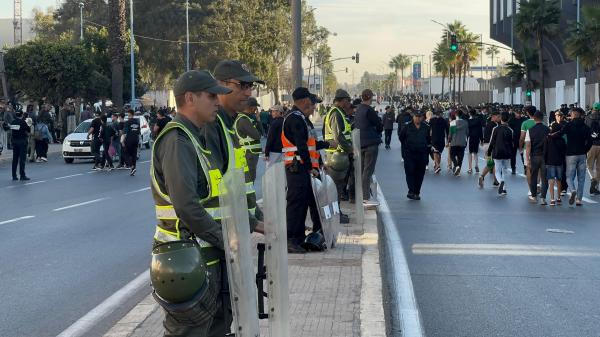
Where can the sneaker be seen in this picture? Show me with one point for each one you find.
(529, 194)
(370, 203)
(558, 201)
(481, 181)
(25, 178)
(501, 188)
(132, 173)
(563, 192)
(470, 171)
(496, 183)
(572, 197)
(344, 219)
(410, 196)
(438, 170)
(552, 203)
(513, 172)
(417, 197)
(532, 199)
(15, 178)
(543, 202)
(44, 159)
(96, 168)
(295, 249)
(457, 171)
(476, 169)
(578, 203)
(504, 192)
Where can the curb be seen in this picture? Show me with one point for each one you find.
(6, 158)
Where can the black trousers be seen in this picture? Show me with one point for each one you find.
(131, 148)
(414, 169)
(369, 160)
(41, 148)
(106, 158)
(457, 153)
(349, 181)
(299, 199)
(538, 167)
(96, 142)
(19, 148)
(388, 136)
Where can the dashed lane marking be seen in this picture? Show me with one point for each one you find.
(17, 219)
(502, 250)
(137, 191)
(35, 182)
(79, 204)
(69, 176)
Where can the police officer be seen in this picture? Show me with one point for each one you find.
(248, 133)
(188, 235)
(301, 159)
(338, 132)
(220, 137)
(20, 134)
(416, 146)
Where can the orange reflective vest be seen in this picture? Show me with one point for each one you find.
(290, 151)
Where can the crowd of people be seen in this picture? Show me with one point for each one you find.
(556, 151)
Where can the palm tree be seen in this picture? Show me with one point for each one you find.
(470, 53)
(399, 62)
(116, 37)
(442, 60)
(459, 29)
(537, 20)
(584, 38)
(492, 51)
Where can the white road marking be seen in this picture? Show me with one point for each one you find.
(143, 162)
(503, 250)
(559, 231)
(137, 191)
(83, 325)
(406, 304)
(69, 176)
(79, 204)
(35, 182)
(17, 219)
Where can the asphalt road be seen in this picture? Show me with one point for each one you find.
(484, 265)
(71, 238)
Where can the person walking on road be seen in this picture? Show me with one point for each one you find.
(579, 142)
(416, 146)
(20, 133)
(459, 133)
(439, 134)
(491, 124)
(388, 125)
(554, 157)
(108, 135)
(475, 137)
(184, 189)
(500, 149)
(94, 135)
(515, 123)
(534, 141)
(593, 157)
(370, 126)
(43, 138)
(131, 142)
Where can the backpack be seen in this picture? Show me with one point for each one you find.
(595, 130)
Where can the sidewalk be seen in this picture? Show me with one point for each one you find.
(335, 293)
(53, 149)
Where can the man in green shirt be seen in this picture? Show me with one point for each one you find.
(528, 124)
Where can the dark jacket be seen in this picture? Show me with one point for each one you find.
(537, 137)
(20, 129)
(296, 130)
(274, 137)
(475, 127)
(415, 141)
(515, 125)
(369, 124)
(579, 137)
(501, 143)
(487, 131)
(388, 120)
(593, 122)
(555, 148)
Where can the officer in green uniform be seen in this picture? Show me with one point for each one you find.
(187, 273)
(338, 132)
(235, 76)
(248, 133)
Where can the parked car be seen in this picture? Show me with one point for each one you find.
(76, 145)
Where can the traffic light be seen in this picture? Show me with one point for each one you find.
(453, 43)
(528, 93)
(356, 58)
(346, 70)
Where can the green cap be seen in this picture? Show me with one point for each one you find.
(196, 81)
(231, 69)
(596, 106)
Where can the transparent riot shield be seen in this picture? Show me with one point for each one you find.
(320, 192)
(276, 253)
(238, 252)
(360, 211)
(331, 228)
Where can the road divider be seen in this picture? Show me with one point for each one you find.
(79, 204)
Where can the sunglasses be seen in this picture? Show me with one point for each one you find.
(244, 85)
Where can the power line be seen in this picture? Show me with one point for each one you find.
(184, 42)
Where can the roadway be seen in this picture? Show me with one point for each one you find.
(484, 265)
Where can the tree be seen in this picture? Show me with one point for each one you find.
(492, 51)
(400, 62)
(537, 20)
(116, 38)
(584, 38)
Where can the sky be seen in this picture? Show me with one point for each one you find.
(376, 29)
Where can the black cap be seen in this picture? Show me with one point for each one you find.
(231, 69)
(198, 80)
(302, 92)
(418, 113)
(356, 102)
(341, 94)
(252, 102)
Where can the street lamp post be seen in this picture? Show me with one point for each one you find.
(132, 43)
(296, 43)
(187, 35)
(81, 5)
(578, 80)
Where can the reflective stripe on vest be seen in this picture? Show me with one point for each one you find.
(167, 212)
(347, 133)
(290, 150)
(247, 143)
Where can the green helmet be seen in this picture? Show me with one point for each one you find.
(178, 270)
(596, 106)
(338, 161)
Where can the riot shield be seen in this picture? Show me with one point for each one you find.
(322, 200)
(358, 190)
(331, 227)
(238, 253)
(274, 196)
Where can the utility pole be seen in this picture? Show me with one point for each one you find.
(17, 23)
(81, 5)
(297, 43)
(430, 95)
(132, 42)
(578, 80)
(512, 53)
(187, 35)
